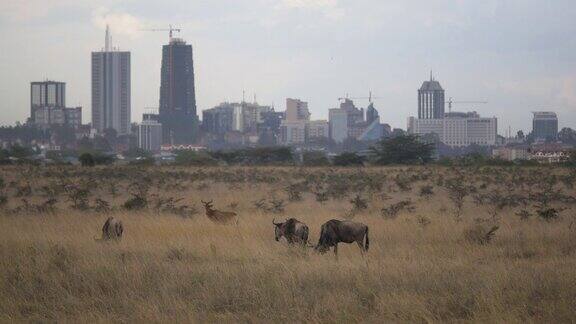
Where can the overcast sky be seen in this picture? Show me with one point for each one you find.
(519, 55)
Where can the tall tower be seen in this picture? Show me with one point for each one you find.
(111, 88)
(46, 94)
(177, 94)
(431, 100)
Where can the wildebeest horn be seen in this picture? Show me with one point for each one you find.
(273, 222)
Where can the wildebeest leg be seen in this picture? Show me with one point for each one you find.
(361, 246)
(336, 250)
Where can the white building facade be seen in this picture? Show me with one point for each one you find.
(458, 131)
(150, 135)
(111, 89)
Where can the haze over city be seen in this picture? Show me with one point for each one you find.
(517, 55)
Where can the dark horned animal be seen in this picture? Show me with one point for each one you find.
(112, 230)
(293, 230)
(218, 216)
(335, 231)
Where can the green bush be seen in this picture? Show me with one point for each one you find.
(315, 158)
(191, 158)
(348, 159)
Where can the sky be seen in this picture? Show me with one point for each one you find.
(518, 55)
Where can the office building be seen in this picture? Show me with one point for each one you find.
(318, 129)
(48, 106)
(545, 125)
(177, 94)
(150, 133)
(347, 121)
(458, 129)
(297, 110)
(293, 132)
(46, 94)
(111, 88)
(431, 100)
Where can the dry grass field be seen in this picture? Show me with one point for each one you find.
(430, 258)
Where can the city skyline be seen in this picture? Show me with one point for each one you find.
(514, 68)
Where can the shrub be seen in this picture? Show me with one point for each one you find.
(480, 234)
(315, 158)
(86, 160)
(191, 158)
(404, 149)
(348, 159)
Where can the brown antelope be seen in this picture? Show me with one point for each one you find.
(218, 216)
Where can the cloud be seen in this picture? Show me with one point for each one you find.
(119, 22)
(567, 93)
(329, 8)
(26, 10)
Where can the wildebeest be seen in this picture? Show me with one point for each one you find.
(293, 230)
(112, 230)
(218, 216)
(335, 231)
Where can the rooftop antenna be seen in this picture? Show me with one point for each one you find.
(255, 98)
(431, 76)
(108, 40)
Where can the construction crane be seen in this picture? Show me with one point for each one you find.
(169, 29)
(451, 101)
(370, 97)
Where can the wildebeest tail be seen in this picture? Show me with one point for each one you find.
(305, 235)
(367, 243)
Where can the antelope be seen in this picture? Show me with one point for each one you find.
(335, 231)
(217, 216)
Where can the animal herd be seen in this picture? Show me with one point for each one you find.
(295, 232)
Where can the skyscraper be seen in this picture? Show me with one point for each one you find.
(48, 106)
(177, 94)
(431, 100)
(545, 125)
(371, 114)
(297, 109)
(111, 89)
(46, 94)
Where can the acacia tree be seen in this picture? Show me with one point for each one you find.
(403, 149)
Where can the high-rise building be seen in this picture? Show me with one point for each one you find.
(346, 121)
(431, 100)
(46, 94)
(177, 94)
(318, 129)
(111, 89)
(296, 110)
(458, 129)
(48, 106)
(371, 114)
(218, 120)
(545, 125)
(150, 133)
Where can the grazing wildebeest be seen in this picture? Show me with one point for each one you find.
(293, 230)
(112, 230)
(217, 215)
(335, 231)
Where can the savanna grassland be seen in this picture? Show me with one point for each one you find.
(479, 244)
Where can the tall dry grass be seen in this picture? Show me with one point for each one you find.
(168, 268)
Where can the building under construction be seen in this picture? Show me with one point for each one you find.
(177, 94)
